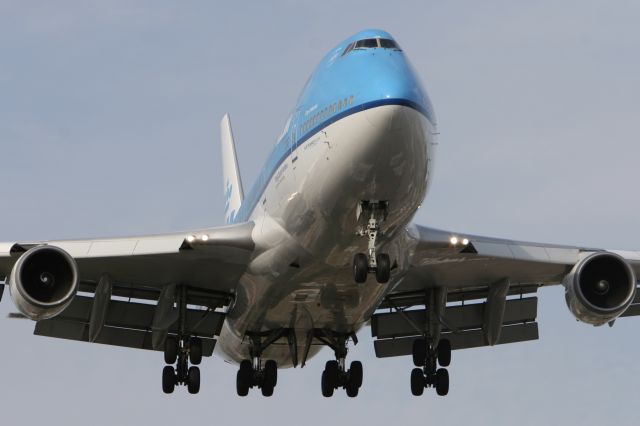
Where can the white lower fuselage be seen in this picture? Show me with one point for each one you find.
(305, 228)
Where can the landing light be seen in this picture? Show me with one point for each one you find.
(465, 242)
(204, 237)
(454, 240)
(191, 238)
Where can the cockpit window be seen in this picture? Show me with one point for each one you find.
(349, 48)
(388, 44)
(367, 43)
(371, 43)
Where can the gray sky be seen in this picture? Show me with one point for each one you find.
(109, 117)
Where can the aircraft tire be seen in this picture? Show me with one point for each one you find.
(193, 380)
(331, 368)
(419, 352)
(442, 381)
(244, 378)
(266, 390)
(327, 389)
(360, 268)
(417, 382)
(444, 353)
(383, 270)
(195, 350)
(168, 379)
(170, 350)
(271, 373)
(355, 374)
(352, 390)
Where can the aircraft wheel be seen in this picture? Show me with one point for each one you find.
(244, 378)
(417, 382)
(383, 270)
(444, 353)
(355, 374)
(193, 380)
(331, 368)
(327, 389)
(266, 390)
(168, 379)
(170, 350)
(442, 381)
(360, 267)
(419, 352)
(352, 390)
(195, 350)
(271, 373)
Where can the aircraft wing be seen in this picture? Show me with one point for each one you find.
(490, 285)
(138, 272)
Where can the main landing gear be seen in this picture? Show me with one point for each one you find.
(255, 372)
(426, 359)
(335, 374)
(374, 212)
(180, 351)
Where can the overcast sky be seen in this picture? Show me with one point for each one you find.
(109, 115)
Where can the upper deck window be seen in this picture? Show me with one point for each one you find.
(371, 43)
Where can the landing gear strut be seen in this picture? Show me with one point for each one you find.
(180, 350)
(427, 359)
(335, 374)
(374, 213)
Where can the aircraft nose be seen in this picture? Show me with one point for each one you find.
(394, 85)
(387, 117)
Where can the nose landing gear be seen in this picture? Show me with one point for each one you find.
(377, 263)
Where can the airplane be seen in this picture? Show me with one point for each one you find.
(321, 246)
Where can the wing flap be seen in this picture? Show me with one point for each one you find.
(464, 340)
(137, 339)
(461, 317)
(139, 316)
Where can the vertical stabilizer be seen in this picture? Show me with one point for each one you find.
(232, 184)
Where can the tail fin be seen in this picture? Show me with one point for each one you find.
(232, 184)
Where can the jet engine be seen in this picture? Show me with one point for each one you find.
(43, 282)
(600, 288)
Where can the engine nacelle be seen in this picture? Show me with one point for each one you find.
(43, 282)
(600, 288)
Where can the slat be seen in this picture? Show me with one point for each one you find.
(129, 338)
(139, 316)
(465, 317)
(465, 340)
